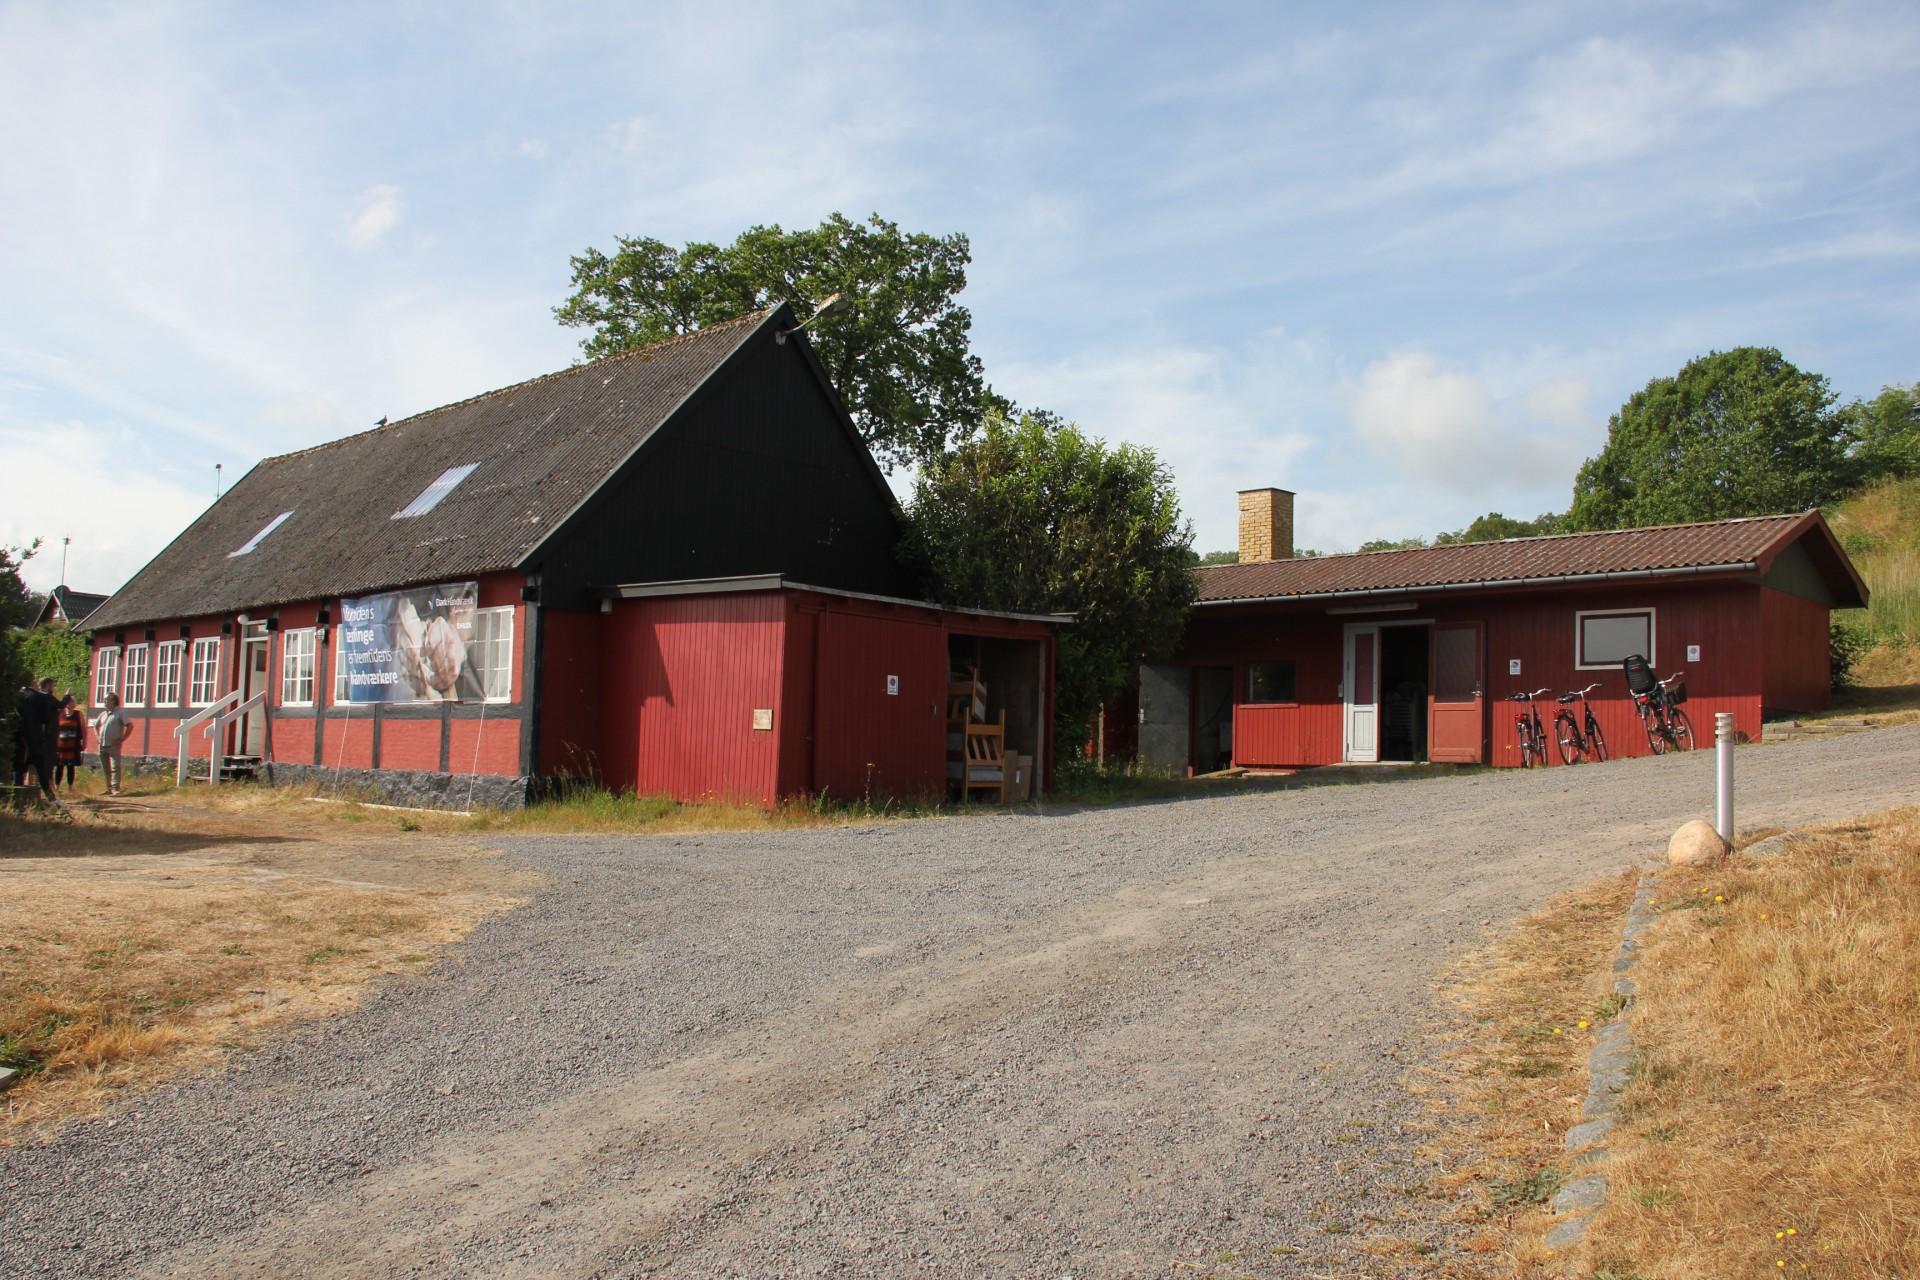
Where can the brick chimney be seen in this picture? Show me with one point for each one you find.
(1266, 525)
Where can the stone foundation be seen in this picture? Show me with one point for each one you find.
(414, 790)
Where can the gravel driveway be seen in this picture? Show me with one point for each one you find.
(1091, 1044)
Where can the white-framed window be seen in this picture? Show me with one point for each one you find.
(491, 652)
(1604, 638)
(166, 673)
(296, 667)
(133, 685)
(106, 674)
(204, 684)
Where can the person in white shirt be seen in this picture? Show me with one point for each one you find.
(111, 727)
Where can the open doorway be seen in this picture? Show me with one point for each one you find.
(997, 698)
(1213, 694)
(1405, 653)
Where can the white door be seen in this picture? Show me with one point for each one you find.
(1360, 686)
(252, 728)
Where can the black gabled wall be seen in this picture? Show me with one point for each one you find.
(756, 474)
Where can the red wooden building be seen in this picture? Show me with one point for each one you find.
(1407, 655)
(672, 570)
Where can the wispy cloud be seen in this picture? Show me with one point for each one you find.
(378, 213)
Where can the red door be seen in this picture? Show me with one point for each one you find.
(880, 708)
(1456, 729)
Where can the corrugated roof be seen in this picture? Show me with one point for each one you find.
(1719, 544)
(541, 448)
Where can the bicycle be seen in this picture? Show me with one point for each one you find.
(1527, 727)
(1577, 742)
(1660, 714)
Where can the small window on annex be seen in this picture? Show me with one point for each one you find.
(1270, 682)
(1606, 638)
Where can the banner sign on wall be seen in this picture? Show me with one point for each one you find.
(411, 646)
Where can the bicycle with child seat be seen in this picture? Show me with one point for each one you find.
(1578, 741)
(1530, 733)
(1661, 714)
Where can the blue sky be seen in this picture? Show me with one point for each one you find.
(1403, 260)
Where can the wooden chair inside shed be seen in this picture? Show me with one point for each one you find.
(985, 765)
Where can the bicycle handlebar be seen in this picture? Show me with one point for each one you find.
(1675, 676)
(1590, 688)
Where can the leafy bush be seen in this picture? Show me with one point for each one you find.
(54, 650)
(1846, 641)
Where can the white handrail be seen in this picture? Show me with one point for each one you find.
(217, 730)
(180, 732)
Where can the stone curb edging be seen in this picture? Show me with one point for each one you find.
(1607, 1065)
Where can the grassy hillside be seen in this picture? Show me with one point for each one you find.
(1880, 528)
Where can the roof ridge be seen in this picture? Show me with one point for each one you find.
(747, 319)
(1531, 537)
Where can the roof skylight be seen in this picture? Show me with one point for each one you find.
(260, 537)
(430, 496)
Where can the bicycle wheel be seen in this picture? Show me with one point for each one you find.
(1681, 728)
(1566, 734)
(1595, 742)
(1656, 732)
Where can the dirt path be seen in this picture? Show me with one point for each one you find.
(1143, 1041)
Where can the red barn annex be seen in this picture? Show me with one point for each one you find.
(1406, 655)
(671, 570)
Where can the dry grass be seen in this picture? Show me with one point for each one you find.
(1515, 1073)
(1773, 1126)
(147, 938)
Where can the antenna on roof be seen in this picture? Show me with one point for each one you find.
(64, 544)
(216, 480)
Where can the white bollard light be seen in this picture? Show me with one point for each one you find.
(1723, 759)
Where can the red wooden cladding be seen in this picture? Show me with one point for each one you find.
(879, 707)
(571, 694)
(1733, 624)
(687, 676)
(1796, 639)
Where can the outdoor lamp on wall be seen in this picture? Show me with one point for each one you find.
(149, 636)
(835, 303)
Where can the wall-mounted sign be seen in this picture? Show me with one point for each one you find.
(893, 686)
(1693, 653)
(1513, 666)
(763, 718)
(411, 646)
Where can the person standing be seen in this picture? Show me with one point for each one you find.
(111, 727)
(39, 715)
(70, 737)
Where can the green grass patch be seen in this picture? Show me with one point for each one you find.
(1536, 1188)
